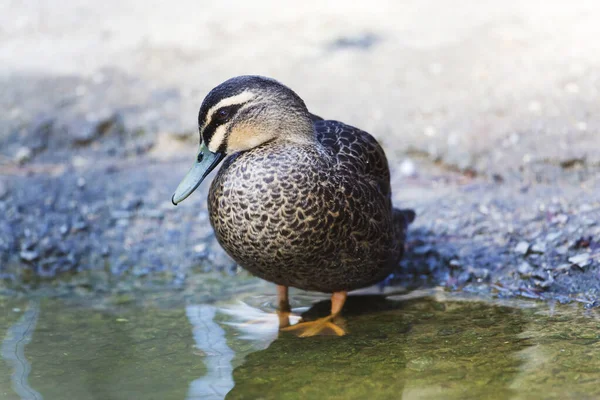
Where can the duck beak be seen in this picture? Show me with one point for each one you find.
(206, 162)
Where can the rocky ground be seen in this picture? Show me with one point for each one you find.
(488, 115)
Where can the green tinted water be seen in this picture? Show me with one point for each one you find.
(430, 347)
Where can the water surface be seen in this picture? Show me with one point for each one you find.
(424, 345)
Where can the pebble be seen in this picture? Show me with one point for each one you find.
(82, 132)
(481, 274)
(122, 222)
(464, 277)
(581, 260)
(118, 214)
(525, 269)
(589, 221)
(79, 226)
(539, 248)
(23, 155)
(522, 247)
(155, 214)
(560, 219)
(79, 161)
(200, 248)
(3, 189)
(547, 281)
(563, 267)
(408, 168)
(132, 203)
(551, 237)
(562, 250)
(424, 249)
(39, 133)
(29, 255)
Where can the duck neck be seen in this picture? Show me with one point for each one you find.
(299, 130)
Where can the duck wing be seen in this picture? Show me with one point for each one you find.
(355, 152)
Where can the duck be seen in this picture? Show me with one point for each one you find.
(299, 201)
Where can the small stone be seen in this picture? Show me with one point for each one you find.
(525, 269)
(118, 214)
(23, 155)
(82, 132)
(81, 182)
(464, 277)
(407, 168)
(455, 264)
(421, 250)
(79, 226)
(522, 247)
(131, 203)
(200, 248)
(29, 255)
(563, 267)
(122, 222)
(590, 305)
(583, 242)
(588, 221)
(581, 260)
(481, 274)
(560, 219)
(3, 189)
(79, 161)
(562, 250)
(64, 229)
(39, 133)
(539, 248)
(551, 237)
(545, 283)
(155, 214)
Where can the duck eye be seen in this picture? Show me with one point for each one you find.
(223, 114)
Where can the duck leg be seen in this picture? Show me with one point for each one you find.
(322, 326)
(283, 308)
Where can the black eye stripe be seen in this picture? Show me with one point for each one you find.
(215, 122)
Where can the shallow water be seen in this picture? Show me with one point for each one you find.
(423, 345)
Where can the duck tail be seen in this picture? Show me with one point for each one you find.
(403, 218)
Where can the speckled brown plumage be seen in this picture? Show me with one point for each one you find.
(315, 216)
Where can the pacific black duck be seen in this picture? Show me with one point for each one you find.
(299, 201)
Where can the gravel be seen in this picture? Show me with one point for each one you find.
(488, 116)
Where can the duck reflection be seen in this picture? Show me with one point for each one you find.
(13, 352)
(396, 348)
(210, 339)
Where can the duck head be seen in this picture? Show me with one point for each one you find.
(240, 114)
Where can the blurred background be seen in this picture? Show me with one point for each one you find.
(477, 84)
(487, 111)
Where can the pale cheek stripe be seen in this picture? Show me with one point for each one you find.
(217, 139)
(229, 101)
